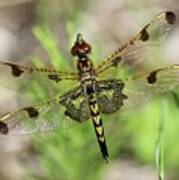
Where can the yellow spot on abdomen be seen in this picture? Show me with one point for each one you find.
(97, 119)
(101, 139)
(94, 108)
(99, 130)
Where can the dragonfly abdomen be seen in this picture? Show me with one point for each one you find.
(95, 116)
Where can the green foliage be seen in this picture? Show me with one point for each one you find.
(160, 143)
(48, 40)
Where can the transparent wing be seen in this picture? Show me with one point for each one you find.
(30, 119)
(52, 74)
(45, 116)
(139, 48)
(35, 81)
(141, 88)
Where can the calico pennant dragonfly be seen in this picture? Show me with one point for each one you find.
(95, 94)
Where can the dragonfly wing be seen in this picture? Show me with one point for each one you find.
(45, 116)
(52, 74)
(140, 47)
(141, 88)
(41, 117)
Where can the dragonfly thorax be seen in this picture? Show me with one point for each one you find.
(85, 66)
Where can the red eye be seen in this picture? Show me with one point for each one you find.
(80, 47)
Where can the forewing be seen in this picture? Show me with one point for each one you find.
(17, 70)
(140, 47)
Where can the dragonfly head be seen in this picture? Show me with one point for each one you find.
(80, 49)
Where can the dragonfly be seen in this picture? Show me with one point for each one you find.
(96, 95)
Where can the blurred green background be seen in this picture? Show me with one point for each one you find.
(43, 30)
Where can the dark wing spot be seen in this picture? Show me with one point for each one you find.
(16, 71)
(152, 78)
(124, 96)
(54, 77)
(117, 60)
(170, 17)
(33, 113)
(144, 36)
(3, 128)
